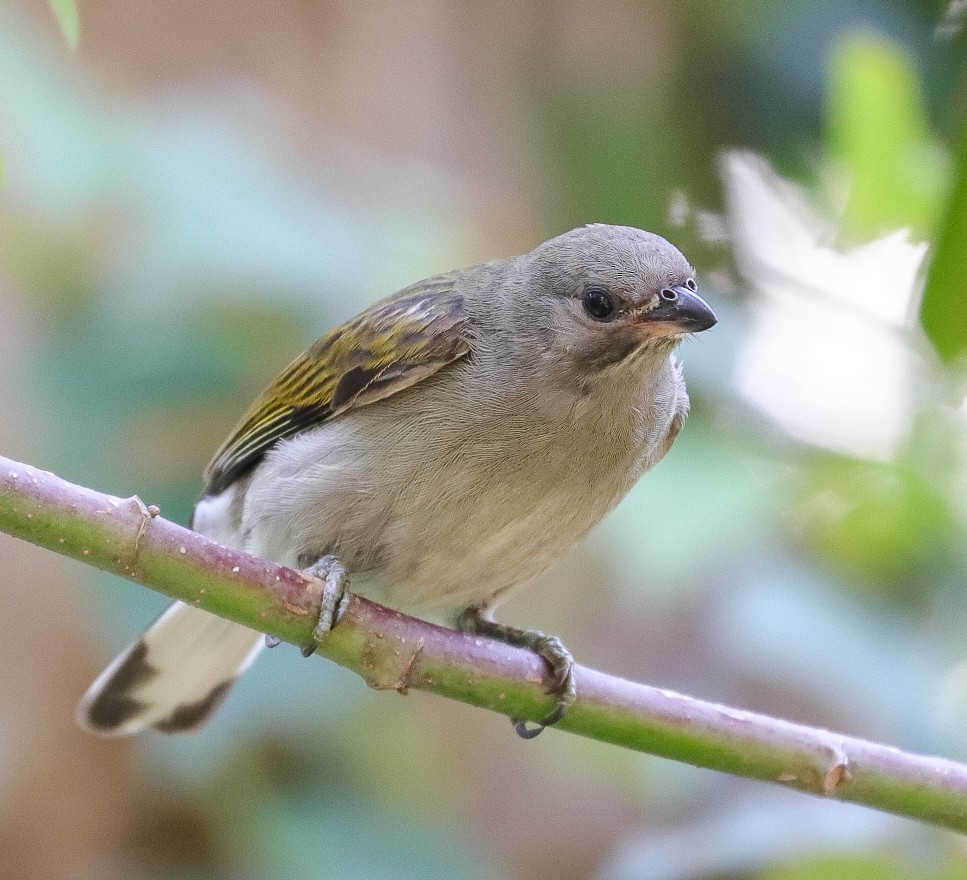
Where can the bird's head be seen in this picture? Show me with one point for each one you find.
(607, 297)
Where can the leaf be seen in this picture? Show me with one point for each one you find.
(65, 11)
(944, 309)
(879, 131)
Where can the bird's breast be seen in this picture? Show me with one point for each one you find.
(436, 500)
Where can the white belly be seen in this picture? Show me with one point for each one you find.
(434, 507)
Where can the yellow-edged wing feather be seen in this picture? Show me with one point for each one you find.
(390, 346)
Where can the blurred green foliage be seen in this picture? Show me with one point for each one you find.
(883, 524)
(879, 129)
(65, 11)
(873, 866)
(944, 310)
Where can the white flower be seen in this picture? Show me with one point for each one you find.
(828, 357)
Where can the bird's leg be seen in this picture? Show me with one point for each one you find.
(477, 620)
(335, 598)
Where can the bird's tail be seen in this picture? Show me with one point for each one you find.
(173, 677)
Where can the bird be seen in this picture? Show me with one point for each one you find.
(434, 453)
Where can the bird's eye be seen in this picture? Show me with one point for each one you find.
(668, 294)
(598, 303)
(691, 285)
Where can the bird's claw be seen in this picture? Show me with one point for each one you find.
(559, 658)
(550, 648)
(335, 598)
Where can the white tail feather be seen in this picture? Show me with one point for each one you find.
(173, 677)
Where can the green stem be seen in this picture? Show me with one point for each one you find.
(393, 651)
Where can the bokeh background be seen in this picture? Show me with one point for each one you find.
(200, 189)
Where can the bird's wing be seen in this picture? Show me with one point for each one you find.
(390, 346)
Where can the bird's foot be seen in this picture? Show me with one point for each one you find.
(335, 598)
(551, 648)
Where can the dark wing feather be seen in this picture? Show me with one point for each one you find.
(392, 345)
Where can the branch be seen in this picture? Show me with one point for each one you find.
(392, 651)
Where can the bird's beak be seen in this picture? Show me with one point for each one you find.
(687, 312)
